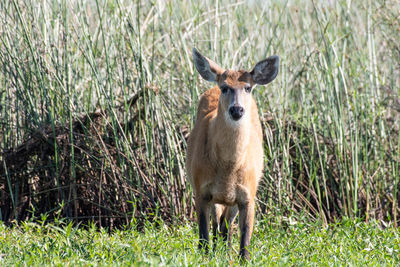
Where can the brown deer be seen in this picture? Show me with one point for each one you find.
(225, 152)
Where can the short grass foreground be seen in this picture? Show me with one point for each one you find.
(273, 243)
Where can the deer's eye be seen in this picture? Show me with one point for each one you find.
(248, 89)
(224, 90)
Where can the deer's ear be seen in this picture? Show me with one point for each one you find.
(207, 68)
(266, 70)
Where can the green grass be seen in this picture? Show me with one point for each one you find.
(274, 244)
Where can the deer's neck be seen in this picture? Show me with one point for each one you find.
(229, 140)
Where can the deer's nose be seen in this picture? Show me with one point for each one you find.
(236, 112)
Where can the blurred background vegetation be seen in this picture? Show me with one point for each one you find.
(97, 99)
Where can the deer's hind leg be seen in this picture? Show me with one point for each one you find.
(216, 213)
(226, 221)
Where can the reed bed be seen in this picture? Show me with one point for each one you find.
(97, 99)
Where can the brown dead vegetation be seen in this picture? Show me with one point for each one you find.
(102, 184)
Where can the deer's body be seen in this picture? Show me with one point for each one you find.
(224, 162)
(225, 152)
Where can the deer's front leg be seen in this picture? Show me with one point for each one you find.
(203, 214)
(246, 221)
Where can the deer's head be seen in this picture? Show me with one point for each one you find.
(236, 86)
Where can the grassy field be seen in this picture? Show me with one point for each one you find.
(97, 99)
(274, 244)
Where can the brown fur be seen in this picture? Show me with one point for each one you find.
(224, 165)
(218, 155)
(225, 153)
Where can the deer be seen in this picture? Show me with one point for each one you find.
(225, 156)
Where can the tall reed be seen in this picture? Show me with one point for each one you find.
(97, 98)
